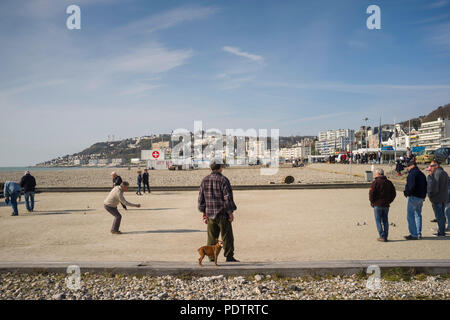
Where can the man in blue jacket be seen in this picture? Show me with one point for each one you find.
(11, 192)
(415, 192)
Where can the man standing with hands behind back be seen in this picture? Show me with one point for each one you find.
(415, 193)
(382, 193)
(437, 189)
(215, 201)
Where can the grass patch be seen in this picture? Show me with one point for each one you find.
(398, 274)
(420, 277)
(277, 277)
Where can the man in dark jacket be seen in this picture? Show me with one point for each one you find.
(215, 201)
(145, 180)
(437, 189)
(28, 184)
(415, 192)
(381, 194)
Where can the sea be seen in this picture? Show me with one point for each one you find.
(31, 168)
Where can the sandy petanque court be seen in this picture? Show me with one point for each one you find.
(276, 225)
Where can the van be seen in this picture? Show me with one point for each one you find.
(425, 157)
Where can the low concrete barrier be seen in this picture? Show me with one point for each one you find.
(196, 188)
(288, 269)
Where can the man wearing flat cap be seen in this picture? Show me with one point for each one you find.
(215, 201)
(415, 193)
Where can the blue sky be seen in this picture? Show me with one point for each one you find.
(141, 67)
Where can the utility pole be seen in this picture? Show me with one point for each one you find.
(395, 142)
(366, 132)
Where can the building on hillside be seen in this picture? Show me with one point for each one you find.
(93, 162)
(103, 162)
(161, 145)
(117, 161)
(432, 134)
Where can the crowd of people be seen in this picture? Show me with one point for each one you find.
(418, 186)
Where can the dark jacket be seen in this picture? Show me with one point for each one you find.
(139, 178)
(437, 186)
(145, 177)
(382, 192)
(28, 183)
(117, 181)
(416, 184)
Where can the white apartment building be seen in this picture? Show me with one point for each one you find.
(334, 140)
(432, 134)
(295, 152)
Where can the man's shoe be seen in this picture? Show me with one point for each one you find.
(116, 232)
(434, 220)
(14, 214)
(438, 235)
(231, 259)
(382, 239)
(410, 237)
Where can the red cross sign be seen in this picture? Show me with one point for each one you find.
(155, 154)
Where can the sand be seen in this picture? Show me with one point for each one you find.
(280, 225)
(316, 173)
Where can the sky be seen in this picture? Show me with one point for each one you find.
(139, 67)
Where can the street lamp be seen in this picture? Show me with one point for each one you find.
(366, 132)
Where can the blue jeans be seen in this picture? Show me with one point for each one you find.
(139, 188)
(29, 200)
(447, 214)
(381, 220)
(13, 197)
(438, 209)
(414, 215)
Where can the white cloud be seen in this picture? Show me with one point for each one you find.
(138, 89)
(167, 19)
(439, 4)
(439, 38)
(237, 51)
(153, 59)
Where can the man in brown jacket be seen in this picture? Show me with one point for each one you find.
(381, 194)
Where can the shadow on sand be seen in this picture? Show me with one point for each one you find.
(152, 209)
(164, 231)
(46, 213)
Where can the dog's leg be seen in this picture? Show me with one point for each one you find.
(202, 255)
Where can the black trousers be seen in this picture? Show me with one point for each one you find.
(148, 186)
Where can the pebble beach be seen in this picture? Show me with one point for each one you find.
(257, 287)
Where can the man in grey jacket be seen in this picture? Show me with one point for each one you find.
(437, 189)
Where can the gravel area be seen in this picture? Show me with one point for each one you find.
(260, 287)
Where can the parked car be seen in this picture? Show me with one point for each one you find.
(442, 155)
(425, 157)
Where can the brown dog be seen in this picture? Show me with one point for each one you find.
(210, 251)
